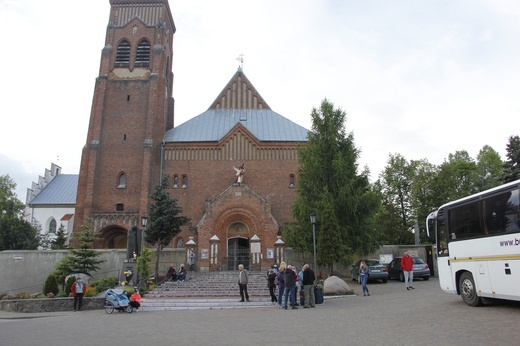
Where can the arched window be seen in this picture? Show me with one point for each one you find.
(142, 56)
(123, 54)
(121, 181)
(184, 181)
(175, 181)
(52, 226)
(291, 180)
(180, 243)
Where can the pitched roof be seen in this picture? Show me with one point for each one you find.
(212, 125)
(61, 190)
(238, 103)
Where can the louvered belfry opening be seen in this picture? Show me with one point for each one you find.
(142, 57)
(123, 54)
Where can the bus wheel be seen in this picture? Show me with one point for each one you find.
(468, 290)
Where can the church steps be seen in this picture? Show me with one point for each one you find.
(207, 291)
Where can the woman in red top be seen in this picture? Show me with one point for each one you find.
(407, 265)
(135, 299)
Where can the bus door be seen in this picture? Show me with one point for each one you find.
(444, 268)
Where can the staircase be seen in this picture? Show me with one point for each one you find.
(211, 290)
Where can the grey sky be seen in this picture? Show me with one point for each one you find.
(419, 78)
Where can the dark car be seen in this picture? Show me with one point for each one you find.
(376, 270)
(420, 269)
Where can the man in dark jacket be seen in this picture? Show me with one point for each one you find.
(308, 286)
(290, 286)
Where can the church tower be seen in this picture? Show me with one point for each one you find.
(132, 108)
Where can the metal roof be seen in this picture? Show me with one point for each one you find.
(61, 190)
(214, 124)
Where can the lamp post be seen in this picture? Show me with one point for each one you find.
(144, 220)
(313, 221)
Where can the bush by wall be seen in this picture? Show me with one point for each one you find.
(51, 286)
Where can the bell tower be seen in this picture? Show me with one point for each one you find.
(132, 108)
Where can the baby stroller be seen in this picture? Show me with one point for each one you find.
(116, 299)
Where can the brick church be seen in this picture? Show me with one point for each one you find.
(232, 169)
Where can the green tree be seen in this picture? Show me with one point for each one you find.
(424, 197)
(490, 168)
(51, 285)
(164, 220)
(82, 258)
(396, 183)
(15, 232)
(10, 205)
(512, 164)
(329, 169)
(143, 266)
(60, 242)
(329, 237)
(456, 177)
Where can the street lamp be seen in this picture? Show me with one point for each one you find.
(313, 221)
(144, 220)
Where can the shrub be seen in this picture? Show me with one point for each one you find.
(68, 285)
(104, 284)
(22, 295)
(90, 292)
(51, 285)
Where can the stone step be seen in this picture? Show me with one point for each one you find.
(150, 304)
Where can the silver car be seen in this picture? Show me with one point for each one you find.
(376, 270)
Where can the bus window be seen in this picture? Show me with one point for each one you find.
(465, 222)
(501, 213)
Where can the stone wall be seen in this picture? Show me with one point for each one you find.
(49, 304)
(26, 271)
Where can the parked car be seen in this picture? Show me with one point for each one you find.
(376, 270)
(420, 269)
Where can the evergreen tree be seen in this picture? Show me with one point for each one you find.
(164, 220)
(51, 285)
(512, 164)
(143, 266)
(82, 257)
(59, 243)
(329, 169)
(330, 247)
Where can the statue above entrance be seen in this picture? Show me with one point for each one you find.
(239, 174)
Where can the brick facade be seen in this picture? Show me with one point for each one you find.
(126, 152)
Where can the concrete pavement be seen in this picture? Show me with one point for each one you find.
(390, 316)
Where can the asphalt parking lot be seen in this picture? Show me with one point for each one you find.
(390, 316)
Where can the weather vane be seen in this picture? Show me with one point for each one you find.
(240, 59)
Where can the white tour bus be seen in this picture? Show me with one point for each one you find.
(478, 244)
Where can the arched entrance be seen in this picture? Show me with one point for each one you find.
(237, 246)
(114, 237)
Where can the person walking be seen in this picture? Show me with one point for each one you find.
(242, 283)
(281, 284)
(271, 276)
(290, 286)
(308, 287)
(363, 276)
(78, 289)
(407, 265)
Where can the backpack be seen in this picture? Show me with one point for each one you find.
(276, 280)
